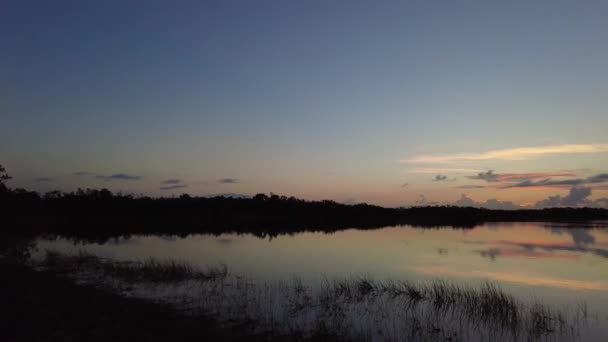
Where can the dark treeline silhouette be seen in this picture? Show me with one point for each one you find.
(100, 214)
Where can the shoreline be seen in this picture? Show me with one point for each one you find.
(46, 306)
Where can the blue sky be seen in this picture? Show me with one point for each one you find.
(314, 99)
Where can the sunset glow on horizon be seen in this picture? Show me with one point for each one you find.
(500, 105)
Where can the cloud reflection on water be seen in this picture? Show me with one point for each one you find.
(494, 252)
(531, 246)
(579, 236)
(518, 278)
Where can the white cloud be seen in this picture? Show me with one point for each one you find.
(519, 153)
(436, 170)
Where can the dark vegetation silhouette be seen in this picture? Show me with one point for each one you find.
(3, 178)
(100, 214)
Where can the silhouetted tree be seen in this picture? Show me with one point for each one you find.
(260, 197)
(3, 178)
(13, 248)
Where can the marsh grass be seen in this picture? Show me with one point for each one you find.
(355, 308)
(149, 270)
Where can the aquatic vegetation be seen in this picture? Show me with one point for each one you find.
(357, 308)
(149, 270)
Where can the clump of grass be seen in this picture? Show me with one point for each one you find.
(301, 299)
(59, 262)
(487, 303)
(494, 303)
(365, 286)
(542, 321)
(403, 289)
(150, 270)
(51, 259)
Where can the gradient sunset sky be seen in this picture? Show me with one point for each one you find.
(386, 102)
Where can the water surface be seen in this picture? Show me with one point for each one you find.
(559, 265)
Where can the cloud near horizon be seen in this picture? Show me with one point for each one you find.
(228, 181)
(82, 173)
(599, 178)
(173, 187)
(520, 153)
(490, 176)
(172, 181)
(172, 184)
(119, 176)
(577, 197)
(528, 180)
(466, 201)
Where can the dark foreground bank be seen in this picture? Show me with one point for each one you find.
(44, 306)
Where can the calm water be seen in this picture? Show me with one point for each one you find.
(556, 264)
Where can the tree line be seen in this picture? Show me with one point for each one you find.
(100, 214)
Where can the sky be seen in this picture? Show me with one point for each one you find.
(395, 103)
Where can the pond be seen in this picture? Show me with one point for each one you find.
(556, 264)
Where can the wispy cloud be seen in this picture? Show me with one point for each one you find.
(82, 173)
(172, 181)
(490, 176)
(228, 180)
(173, 187)
(119, 176)
(172, 184)
(43, 179)
(519, 153)
(441, 170)
(600, 178)
(471, 187)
